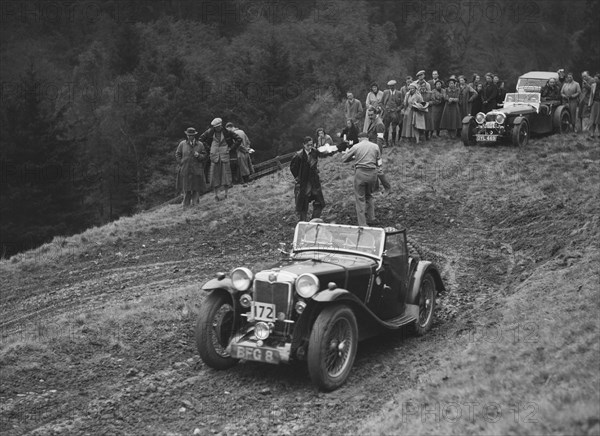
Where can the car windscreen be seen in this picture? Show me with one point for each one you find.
(531, 84)
(319, 236)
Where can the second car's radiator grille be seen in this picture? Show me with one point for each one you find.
(277, 293)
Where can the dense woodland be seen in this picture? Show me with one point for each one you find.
(96, 95)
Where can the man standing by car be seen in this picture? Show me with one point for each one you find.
(367, 158)
(570, 92)
(490, 93)
(307, 189)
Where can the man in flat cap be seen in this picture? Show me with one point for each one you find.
(421, 80)
(219, 142)
(392, 105)
(367, 159)
(191, 156)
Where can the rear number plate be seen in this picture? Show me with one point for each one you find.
(263, 311)
(256, 354)
(486, 138)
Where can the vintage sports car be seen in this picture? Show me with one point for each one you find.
(522, 113)
(339, 284)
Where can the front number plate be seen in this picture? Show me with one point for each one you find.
(255, 354)
(263, 311)
(486, 138)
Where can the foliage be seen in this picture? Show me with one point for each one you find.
(138, 74)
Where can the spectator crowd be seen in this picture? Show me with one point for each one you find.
(418, 110)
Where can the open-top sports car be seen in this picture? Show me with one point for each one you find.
(339, 284)
(522, 113)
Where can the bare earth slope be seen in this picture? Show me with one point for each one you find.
(97, 329)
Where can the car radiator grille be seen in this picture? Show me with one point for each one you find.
(277, 293)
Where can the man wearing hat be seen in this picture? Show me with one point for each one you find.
(304, 168)
(490, 93)
(392, 105)
(244, 162)
(353, 109)
(191, 156)
(421, 80)
(367, 159)
(220, 142)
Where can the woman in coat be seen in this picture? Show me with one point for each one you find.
(191, 156)
(414, 119)
(466, 96)
(427, 96)
(451, 120)
(373, 101)
(436, 105)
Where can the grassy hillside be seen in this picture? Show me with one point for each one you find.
(97, 328)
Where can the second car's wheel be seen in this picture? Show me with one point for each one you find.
(427, 293)
(332, 347)
(520, 134)
(468, 133)
(214, 329)
(565, 122)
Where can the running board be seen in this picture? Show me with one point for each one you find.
(410, 314)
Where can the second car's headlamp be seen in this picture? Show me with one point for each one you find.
(480, 118)
(241, 278)
(307, 285)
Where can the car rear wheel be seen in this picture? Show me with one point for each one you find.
(520, 134)
(468, 133)
(214, 329)
(332, 347)
(427, 293)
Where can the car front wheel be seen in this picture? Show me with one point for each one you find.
(426, 305)
(520, 134)
(468, 134)
(332, 347)
(214, 329)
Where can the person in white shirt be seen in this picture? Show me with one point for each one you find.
(367, 159)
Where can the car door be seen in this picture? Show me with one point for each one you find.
(394, 276)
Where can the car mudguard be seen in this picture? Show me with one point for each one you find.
(424, 266)
(224, 283)
(467, 119)
(519, 120)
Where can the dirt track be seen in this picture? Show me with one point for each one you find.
(134, 380)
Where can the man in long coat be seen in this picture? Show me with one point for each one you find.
(304, 168)
(490, 93)
(219, 142)
(392, 105)
(191, 156)
(244, 163)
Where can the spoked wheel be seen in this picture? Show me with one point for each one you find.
(214, 330)
(332, 347)
(520, 134)
(565, 122)
(468, 133)
(426, 305)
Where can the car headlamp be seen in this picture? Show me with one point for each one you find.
(480, 118)
(307, 285)
(262, 330)
(241, 278)
(500, 118)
